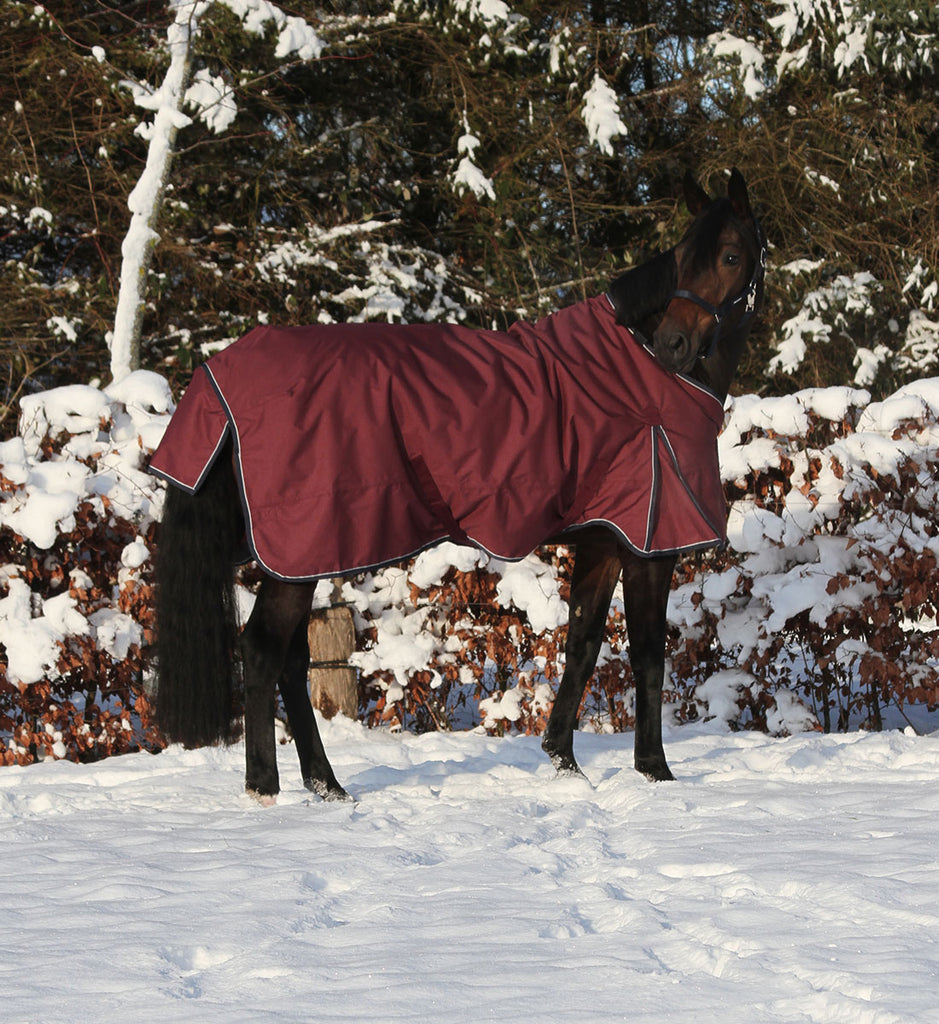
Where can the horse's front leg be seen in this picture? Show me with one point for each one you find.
(265, 643)
(596, 570)
(646, 586)
(315, 769)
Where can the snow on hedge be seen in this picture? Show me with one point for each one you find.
(79, 448)
(818, 534)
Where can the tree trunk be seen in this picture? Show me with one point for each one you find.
(146, 200)
(333, 685)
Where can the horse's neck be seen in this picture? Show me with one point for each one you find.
(640, 295)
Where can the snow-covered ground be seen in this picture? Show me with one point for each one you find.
(779, 880)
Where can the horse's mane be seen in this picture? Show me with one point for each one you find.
(642, 293)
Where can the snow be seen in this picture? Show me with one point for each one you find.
(47, 499)
(403, 645)
(74, 408)
(115, 632)
(558, 50)
(490, 12)
(297, 37)
(31, 644)
(215, 102)
(777, 880)
(62, 327)
(911, 402)
(601, 114)
(862, 38)
(294, 35)
(507, 706)
(719, 693)
(845, 295)
(111, 425)
(432, 565)
(102, 436)
(467, 175)
(869, 361)
(284, 257)
(532, 587)
(38, 215)
(746, 55)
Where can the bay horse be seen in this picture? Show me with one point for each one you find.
(691, 307)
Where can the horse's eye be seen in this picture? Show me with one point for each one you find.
(731, 259)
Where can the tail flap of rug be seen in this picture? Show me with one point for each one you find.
(193, 438)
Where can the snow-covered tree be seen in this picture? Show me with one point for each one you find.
(832, 103)
(467, 160)
(211, 99)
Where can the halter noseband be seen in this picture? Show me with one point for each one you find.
(748, 295)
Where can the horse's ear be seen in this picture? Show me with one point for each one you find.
(738, 196)
(695, 196)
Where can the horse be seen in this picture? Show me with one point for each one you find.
(690, 308)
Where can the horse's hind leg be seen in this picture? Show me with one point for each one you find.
(646, 586)
(315, 768)
(596, 570)
(279, 609)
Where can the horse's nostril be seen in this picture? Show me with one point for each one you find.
(672, 348)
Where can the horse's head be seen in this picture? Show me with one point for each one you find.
(718, 266)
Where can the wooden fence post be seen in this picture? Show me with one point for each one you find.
(333, 683)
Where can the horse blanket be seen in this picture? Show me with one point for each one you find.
(358, 445)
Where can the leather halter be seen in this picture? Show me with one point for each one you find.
(747, 295)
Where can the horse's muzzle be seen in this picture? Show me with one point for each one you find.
(676, 350)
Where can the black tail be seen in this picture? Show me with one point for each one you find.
(195, 610)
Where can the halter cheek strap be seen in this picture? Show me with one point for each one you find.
(748, 295)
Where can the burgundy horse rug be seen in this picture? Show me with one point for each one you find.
(358, 445)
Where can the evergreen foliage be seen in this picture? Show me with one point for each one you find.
(468, 160)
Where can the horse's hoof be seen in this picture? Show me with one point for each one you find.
(657, 773)
(329, 791)
(340, 795)
(264, 799)
(566, 767)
